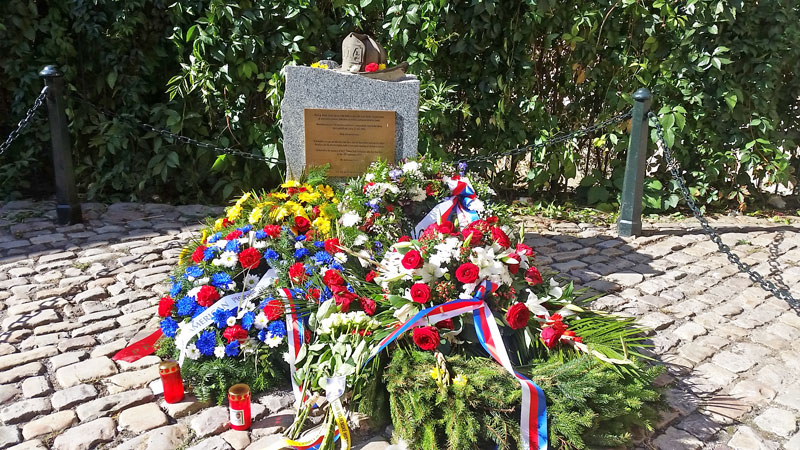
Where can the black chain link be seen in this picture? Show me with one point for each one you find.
(180, 138)
(756, 277)
(24, 122)
(552, 141)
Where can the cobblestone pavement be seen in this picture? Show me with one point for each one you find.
(71, 296)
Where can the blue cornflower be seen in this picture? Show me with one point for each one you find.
(310, 270)
(337, 266)
(221, 317)
(210, 253)
(186, 306)
(261, 234)
(325, 295)
(214, 238)
(175, 289)
(319, 244)
(262, 335)
(300, 253)
(232, 349)
(265, 301)
(206, 343)
(247, 320)
(221, 280)
(277, 328)
(169, 327)
(322, 258)
(233, 246)
(270, 254)
(245, 229)
(199, 310)
(194, 271)
(300, 237)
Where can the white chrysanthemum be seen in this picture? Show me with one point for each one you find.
(350, 219)
(340, 257)
(411, 167)
(250, 281)
(219, 351)
(193, 292)
(360, 240)
(226, 259)
(231, 321)
(220, 243)
(192, 352)
(418, 194)
(261, 321)
(273, 341)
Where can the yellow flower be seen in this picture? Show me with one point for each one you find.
(327, 191)
(234, 212)
(322, 225)
(218, 224)
(315, 65)
(318, 65)
(460, 380)
(256, 215)
(308, 197)
(280, 195)
(436, 373)
(243, 199)
(278, 214)
(290, 184)
(204, 236)
(381, 66)
(183, 254)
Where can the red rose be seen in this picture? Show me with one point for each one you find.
(533, 277)
(513, 265)
(235, 234)
(250, 258)
(446, 227)
(371, 67)
(370, 276)
(426, 338)
(550, 336)
(467, 273)
(446, 323)
(403, 239)
(420, 292)
(197, 254)
(297, 272)
(476, 238)
(332, 245)
(234, 333)
(412, 260)
(368, 305)
(517, 316)
(301, 223)
(165, 306)
(272, 231)
(207, 296)
(332, 278)
(500, 237)
(273, 310)
(523, 249)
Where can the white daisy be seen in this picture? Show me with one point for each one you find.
(192, 352)
(340, 257)
(250, 281)
(231, 321)
(261, 321)
(219, 351)
(273, 341)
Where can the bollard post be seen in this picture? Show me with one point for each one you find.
(630, 212)
(68, 209)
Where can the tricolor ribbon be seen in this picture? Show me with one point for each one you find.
(459, 205)
(296, 339)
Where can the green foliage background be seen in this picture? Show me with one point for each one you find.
(494, 74)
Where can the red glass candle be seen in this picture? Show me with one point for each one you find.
(170, 373)
(239, 404)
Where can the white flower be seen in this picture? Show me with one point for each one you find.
(405, 312)
(411, 166)
(360, 240)
(555, 290)
(534, 305)
(258, 245)
(226, 259)
(201, 281)
(219, 351)
(250, 281)
(340, 257)
(220, 243)
(350, 219)
(418, 194)
(431, 272)
(369, 177)
(192, 352)
(261, 321)
(231, 321)
(272, 341)
(193, 292)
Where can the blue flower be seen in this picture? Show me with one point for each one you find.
(264, 302)
(221, 280)
(310, 270)
(175, 289)
(319, 244)
(300, 253)
(261, 234)
(271, 254)
(206, 342)
(350, 288)
(325, 295)
(462, 167)
(300, 237)
(337, 266)
(186, 306)
(277, 328)
(394, 174)
(199, 310)
(169, 327)
(247, 320)
(262, 335)
(233, 246)
(210, 253)
(214, 238)
(221, 317)
(232, 349)
(245, 229)
(322, 258)
(194, 271)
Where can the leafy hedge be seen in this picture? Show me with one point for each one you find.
(494, 74)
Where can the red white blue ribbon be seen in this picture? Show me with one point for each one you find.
(459, 205)
(295, 338)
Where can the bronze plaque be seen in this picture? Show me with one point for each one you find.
(348, 140)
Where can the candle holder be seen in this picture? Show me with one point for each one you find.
(170, 373)
(239, 405)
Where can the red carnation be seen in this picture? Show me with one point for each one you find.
(446, 227)
(368, 305)
(426, 338)
(517, 316)
(314, 293)
(332, 245)
(533, 277)
(371, 67)
(412, 260)
(207, 296)
(523, 249)
(491, 220)
(420, 292)
(332, 278)
(226, 222)
(273, 310)
(446, 324)
(476, 238)
(235, 234)
(403, 239)
(272, 231)
(302, 224)
(250, 258)
(500, 237)
(370, 276)
(343, 300)
(197, 254)
(550, 336)
(234, 333)
(467, 273)
(165, 306)
(297, 272)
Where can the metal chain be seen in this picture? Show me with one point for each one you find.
(24, 122)
(552, 141)
(674, 168)
(180, 138)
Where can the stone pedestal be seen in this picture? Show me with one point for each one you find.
(310, 88)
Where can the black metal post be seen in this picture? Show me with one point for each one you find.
(68, 209)
(630, 212)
